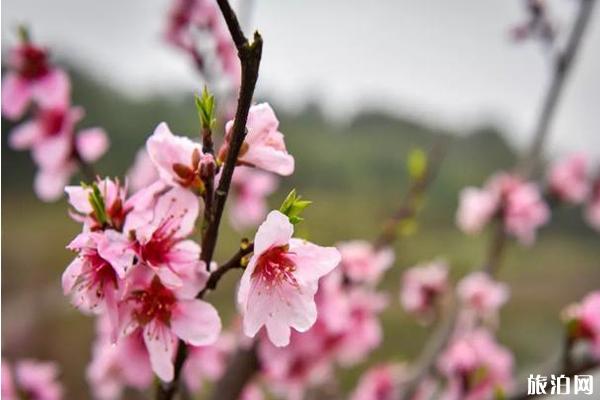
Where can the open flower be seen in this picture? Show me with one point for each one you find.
(166, 314)
(249, 191)
(361, 262)
(264, 146)
(524, 212)
(95, 278)
(475, 209)
(32, 77)
(422, 286)
(568, 179)
(36, 379)
(177, 158)
(476, 367)
(160, 235)
(480, 293)
(278, 287)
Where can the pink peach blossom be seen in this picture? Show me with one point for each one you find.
(166, 314)
(142, 173)
(480, 293)
(264, 146)
(476, 367)
(115, 201)
(278, 287)
(422, 286)
(35, 378)
(524, 212)
(32, 77)
(586, 316)
(379, 383)
(94, 278)
(249, 190)
(177, 158)
(476, 208)
(568, 179)
(361, 262)
(160, 235)
(115, 366)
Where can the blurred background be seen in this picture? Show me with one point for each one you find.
(356, 87)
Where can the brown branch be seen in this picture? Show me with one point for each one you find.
(498, 244)
(409, 207)
(241, 368)
(561, 68)
(234, 262)
(250, 56)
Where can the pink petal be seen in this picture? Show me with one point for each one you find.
(16, 94)
(49, 185)
(53, 90)
(116, 249)
(53, 152)
(270, 159)
(160, 343)
(275, 231)
(312, 261)
(79, 199)
(25, 135)
(180, 204)
(196, 322)
(92, 143)
(70, 275)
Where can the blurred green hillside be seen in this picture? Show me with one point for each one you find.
(355, 174)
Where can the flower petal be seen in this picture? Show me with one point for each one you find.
(196, 322)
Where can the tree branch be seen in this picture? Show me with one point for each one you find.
(234, 262)
(498, 244)
(250, 56)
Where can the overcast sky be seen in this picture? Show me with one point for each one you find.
(445, 61)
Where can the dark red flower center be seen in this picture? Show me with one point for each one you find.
(52, 120)
(154, 303)
(32, 62)
(275, 266)
(157, 249)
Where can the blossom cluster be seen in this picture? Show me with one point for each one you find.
(522, 207)
(31, 379)
(35, 87)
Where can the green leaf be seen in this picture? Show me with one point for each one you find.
(205, 105)
(416, 164)
(293, 206)
(97, 203)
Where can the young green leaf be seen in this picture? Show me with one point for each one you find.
(417, 164)
(97, 203)
(292, 207)
(205, 105)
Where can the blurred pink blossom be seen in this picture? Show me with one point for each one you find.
(379, 383)
(115, 366)
(568, 179)
(278, 286)
(248, 196)
(264, 146)
(475, 209)
(476, 367)
(32, 77)
(586, 318)
(37, 379)
(422, 286)
(361, 262)
(480, 293)
(207, 362)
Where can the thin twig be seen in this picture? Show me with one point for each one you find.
(234, 262)
(498, 244)
(409, 207)
(560, 72)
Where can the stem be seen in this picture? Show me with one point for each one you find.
(235, 262)
(561, 69)
(250, 56)
(563, 65)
